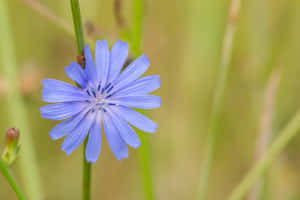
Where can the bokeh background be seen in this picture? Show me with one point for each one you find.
(183, 40)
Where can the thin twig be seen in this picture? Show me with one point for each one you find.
(92, 31)
(44, 11)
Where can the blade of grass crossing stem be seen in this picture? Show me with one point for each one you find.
(18, 114)
(53, 18)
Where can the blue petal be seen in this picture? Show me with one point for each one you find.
(116, 143)
(89, 65)
(132, 72)
(59, 91)
(93, 147)
(118, 57)
(62, 110)
(141, 86)
(102, 61)
(125, 130)
(135, 118)
(144, 101)
(65, 127)
(78, 134)
(76, 73)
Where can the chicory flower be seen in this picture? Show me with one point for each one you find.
(105, 97)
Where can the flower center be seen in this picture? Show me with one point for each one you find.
(100, 96)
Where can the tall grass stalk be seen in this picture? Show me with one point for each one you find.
(264, 138)
(13, 183)
(285, 136)
(145, 150)
(28, 166)
(218, 98)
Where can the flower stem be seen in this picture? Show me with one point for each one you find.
(7, 174)
(145, 164)
(218, 98)
(285, 136)
(78, 26)
(86, 195)
(137, 27)
(27, 164)
(145, 150)
(87, 170)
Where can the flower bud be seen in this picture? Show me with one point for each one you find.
(11, 149)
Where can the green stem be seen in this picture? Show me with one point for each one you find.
(137, 27)
(86, 195)
(145, 164)
(145, 150)
(78, 26)
(17, 110)
(285, 136)
(218, 99)
(87, 170)
(7, 174)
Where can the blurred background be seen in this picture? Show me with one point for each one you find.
(183, 39)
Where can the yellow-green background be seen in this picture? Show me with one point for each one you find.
(183, 41)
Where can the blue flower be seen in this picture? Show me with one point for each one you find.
(106, 94)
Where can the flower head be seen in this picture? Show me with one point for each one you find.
(105, 96)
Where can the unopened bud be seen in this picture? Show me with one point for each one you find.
(12, 134)
(11, 149)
